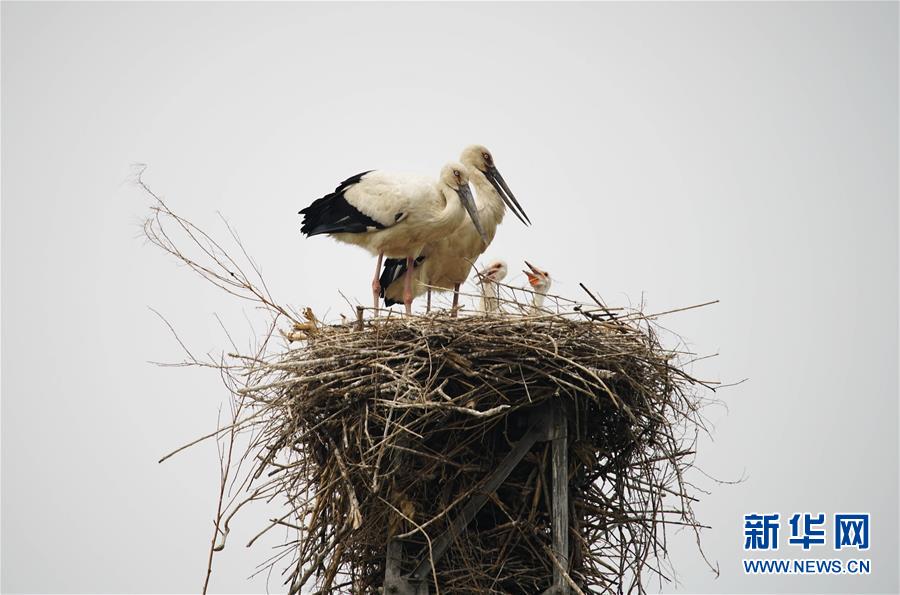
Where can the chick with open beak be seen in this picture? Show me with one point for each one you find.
(540, 282)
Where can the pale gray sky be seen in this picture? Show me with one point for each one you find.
(672, 153)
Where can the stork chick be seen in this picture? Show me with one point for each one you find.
(540, 282)
(490, 279)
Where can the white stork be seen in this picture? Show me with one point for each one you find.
(490, 278)
(446, 262)
(394, 215)
(540, 282)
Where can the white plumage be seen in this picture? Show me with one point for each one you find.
(540, 282)
(448, 260)
(490, 279)
(393, 214)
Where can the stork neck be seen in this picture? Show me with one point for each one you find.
(538, 301)
(489, 296)
(486, 197)
(453, 210)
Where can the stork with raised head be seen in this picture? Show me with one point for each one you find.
(447, 262)
(394, 215)
(540, 283)
(490, 279)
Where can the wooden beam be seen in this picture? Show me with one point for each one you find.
(538, 430)
(394, 582)
(560, 512)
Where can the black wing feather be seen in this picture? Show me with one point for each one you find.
(394, 268)
(333, 214)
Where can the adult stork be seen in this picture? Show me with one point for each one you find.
(394, 215)
(490, 279)
(540, 282)
(446, 263)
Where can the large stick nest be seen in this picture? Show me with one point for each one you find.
(387, 431)
(384, 430)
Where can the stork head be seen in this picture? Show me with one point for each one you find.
(539, 280)
(455, 176)
(479, 158)
(495, 272)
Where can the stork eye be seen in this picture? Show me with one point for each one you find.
(487, 157)
(456, 173)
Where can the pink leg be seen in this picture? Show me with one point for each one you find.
(407, 285)
(376, 284)
(455, 300)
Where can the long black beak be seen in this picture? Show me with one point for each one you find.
(493, 175)
(465, 197)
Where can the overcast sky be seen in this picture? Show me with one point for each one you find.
(671, 154)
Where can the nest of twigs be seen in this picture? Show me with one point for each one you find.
(382, 430)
